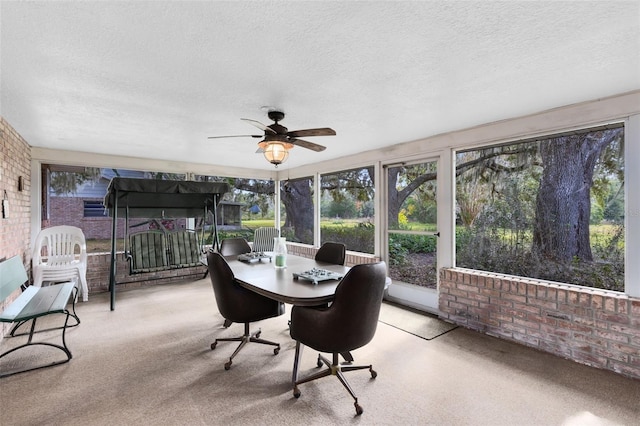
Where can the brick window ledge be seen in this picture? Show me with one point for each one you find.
(590, 326)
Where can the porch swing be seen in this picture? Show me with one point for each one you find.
(161, 249)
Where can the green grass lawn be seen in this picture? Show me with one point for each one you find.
(257, 223)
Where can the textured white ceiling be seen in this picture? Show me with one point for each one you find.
(154, 79)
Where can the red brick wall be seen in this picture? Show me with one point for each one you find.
(98, 274)
(590, 326)
(15, 156)
(99, 263)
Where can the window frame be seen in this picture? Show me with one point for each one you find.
(99, 205)
(631, 126)
(375, 168)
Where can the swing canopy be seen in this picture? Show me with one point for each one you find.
(152, 198)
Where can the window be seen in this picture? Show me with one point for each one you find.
(249, 205)
(549, 208)
(296, 196)
(347, 209)
(94, 209)
(412, 229)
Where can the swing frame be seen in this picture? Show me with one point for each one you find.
(159, 199)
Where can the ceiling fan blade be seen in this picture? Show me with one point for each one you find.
(306, 144)
(259, 125)
(324, 131)
(236, 136)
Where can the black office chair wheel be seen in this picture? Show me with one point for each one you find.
(359, 409)
(296, 392)
(214, 344)
(374, 374)
(258, 333)
(276, 351)
(227, 365)
(319, 362)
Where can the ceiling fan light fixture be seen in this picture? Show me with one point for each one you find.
(276, 152)
(278, 140)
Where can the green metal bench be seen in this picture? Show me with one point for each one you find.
(33, 303)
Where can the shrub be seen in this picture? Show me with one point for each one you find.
(490, 250)
(400, 245)
(397, 253)
(357, 238)
(223, 234)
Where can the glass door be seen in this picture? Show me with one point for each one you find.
(412, 234)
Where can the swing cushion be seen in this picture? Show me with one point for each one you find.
(149, 251)
(185, 249)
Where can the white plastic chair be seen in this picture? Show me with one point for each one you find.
(60, 254)
(263, 239)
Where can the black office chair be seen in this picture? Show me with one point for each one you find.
(332, 253)
(348, 323)
(234, 246)
(237, 304)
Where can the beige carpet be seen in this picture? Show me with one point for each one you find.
(149, 363)
(417, 323)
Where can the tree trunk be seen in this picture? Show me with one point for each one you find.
(563, 204)
(298, 203)
(393, 201)
(397, 198)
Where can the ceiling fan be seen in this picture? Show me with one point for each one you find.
(278, 140)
